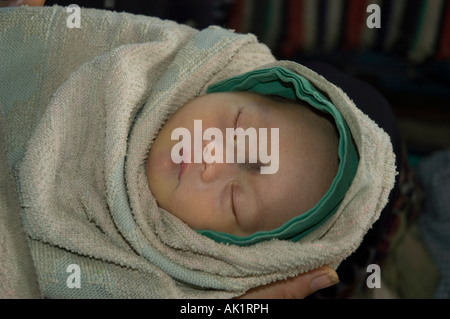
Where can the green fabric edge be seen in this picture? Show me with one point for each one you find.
(283, 82)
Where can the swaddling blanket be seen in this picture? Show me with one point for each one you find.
(78, 132)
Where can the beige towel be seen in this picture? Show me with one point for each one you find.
(98, 97)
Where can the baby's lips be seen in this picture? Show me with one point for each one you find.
(185, 155)
(183, 166)
(185, 160)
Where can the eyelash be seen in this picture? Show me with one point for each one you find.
(232, 200)
(238, 113)
(237, 117)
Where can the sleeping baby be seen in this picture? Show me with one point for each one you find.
(234, 197)
(234, 201)
(100, 128)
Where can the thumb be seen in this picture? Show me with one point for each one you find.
(297, 287)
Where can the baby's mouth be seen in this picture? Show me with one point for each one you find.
(183, 163)
(183, 166)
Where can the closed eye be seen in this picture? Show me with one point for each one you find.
(233, 208)
(236, 118)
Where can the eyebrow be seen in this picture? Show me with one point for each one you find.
(279, 98)
(255, 168)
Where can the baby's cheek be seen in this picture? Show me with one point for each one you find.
(250, 222)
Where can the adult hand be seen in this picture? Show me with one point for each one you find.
(16, 3)
(297, 287)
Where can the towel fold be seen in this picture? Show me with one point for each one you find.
(80, 110)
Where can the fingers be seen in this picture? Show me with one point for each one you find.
(297, 287)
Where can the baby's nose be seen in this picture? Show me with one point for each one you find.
(216, 171)
(216, 167)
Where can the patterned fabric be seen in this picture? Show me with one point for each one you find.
(416, 29)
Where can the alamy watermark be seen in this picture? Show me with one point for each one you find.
(374, 19)
(213, 151)
(74, 19)
(74, 279)
(374, 279)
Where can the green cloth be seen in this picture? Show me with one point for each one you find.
(282, 82)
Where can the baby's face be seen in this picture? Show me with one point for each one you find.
(233, 197)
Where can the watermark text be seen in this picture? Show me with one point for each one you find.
(234, 138)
